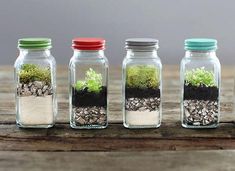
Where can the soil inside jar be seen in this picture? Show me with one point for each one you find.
(90, 108)
(200, 92)
(201, 106)
(84, 98)
(142, 93)
(142, 107)
(36, 103)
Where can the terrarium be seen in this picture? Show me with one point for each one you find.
(142, 84)
(88, 78)
(200, 80)
(35, 81)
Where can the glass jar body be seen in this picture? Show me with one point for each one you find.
(88, 87)
(200, 76)
(35, 93)
(142, 89)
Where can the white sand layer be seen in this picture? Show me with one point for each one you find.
(36, 110)
(143, 118)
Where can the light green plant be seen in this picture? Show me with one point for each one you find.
(93, 82)
(142, 76)
(200, 76)
(31, 72)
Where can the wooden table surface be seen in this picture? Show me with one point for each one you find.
(169, 147)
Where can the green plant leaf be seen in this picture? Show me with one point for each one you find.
(31, 72)
(93, 82)
(142, 76)
(200, 76)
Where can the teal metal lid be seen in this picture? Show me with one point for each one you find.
(34, 43)
(200, 44)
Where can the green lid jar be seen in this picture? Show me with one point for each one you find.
(35, 80)
(34, 43)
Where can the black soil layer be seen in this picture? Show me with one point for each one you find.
(84, 98)
(142, 93)
(200, 93)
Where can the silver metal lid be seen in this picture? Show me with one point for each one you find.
(141, 44)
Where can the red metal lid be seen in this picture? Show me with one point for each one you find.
(88, 43)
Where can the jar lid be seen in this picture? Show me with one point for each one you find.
(88, 43)
(34, 43)
(200, 44)
(142, 44)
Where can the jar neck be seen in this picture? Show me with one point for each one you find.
(204, 54)
(88, 53)
(141, 54)
(33, 53)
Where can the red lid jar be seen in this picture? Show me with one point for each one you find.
(88, 43)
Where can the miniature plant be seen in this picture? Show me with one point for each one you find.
(32, 72)
(142, 76)
(200, 76)
(93, 82)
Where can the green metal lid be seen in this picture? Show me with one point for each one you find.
(34, 43)
(200, 44)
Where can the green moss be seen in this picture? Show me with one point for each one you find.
(31, 72)
(200, 76)
(93, 82)
(142, 76)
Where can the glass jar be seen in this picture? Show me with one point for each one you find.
(200, 84)
(88, 82)
(35, 84)
(142, 84)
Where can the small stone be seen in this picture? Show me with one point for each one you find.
(45, 87)
(38, 84)
(142, 109)
(81, 121)
(39, 92)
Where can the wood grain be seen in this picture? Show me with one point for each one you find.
(116, 161)
(170, 136)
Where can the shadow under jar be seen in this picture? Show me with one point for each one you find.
(142, 84)
(200, 84)
(35, 79)
(88, 79)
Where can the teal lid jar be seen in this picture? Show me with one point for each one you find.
(200, 44)
(200, 79)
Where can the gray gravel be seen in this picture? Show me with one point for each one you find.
(36, 88)
(143, 104)
(90, 115)
(200, 112)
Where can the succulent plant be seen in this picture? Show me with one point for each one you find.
(31, 72)
(93, 82)
(142, 76)
(200, 76)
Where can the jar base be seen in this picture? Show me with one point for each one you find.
(199, 127)
(140, 126)
(34, 126)
(74, 126)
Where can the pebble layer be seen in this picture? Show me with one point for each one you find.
(200, 112)
(142, 104)
(36, 88)
(90, 116)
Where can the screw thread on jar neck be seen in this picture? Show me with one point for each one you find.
(35, 53)
(88, 53)
(141, 54)
(192, 54)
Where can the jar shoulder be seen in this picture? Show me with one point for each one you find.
(43, 61)
(213, 61)
(142, 61)
(101, 60)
